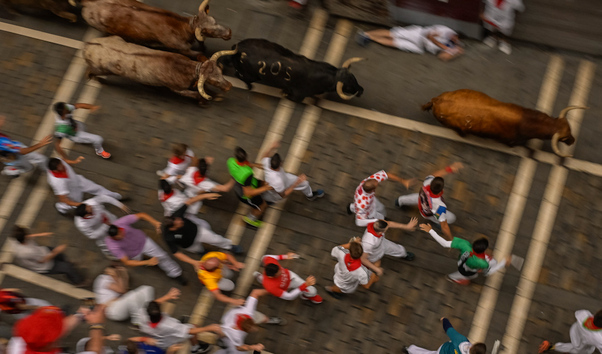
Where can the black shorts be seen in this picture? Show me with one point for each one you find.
(254, 202)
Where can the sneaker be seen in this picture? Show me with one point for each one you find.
(505, 47)
(362, 38)
(276, 321)
(409, 256)
(316, 299)
(237, 249)
(316, 194)
(160, 173)
(254, 223)
(404, 350)
(349, 212)
(200, 348)
(103, 154)
(256, 275)
(332, 293)
(11, 171)
(459, 281)
(183, 281)
(489, 41)
(544, 347)
(295, 5)
(397, 205)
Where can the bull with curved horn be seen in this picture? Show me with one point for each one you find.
(473, 112)
(114, 56)
(341, 84)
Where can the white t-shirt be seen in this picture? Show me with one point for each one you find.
(94, 227)
(443, 35)
(28, 254)
(348, 273)
(177, 167)
(430, 204)
(101, 289)
(502, 17)
(373, 244)
(172, 203)
(236, 336)
(58, 121)
(589, 339)
(168, 331)
(193, 187)
(64, 185)
(277, 179)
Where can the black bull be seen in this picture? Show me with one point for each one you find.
(259, 60)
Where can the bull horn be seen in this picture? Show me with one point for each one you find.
(198, 35)
(569, 108)
(217, 55)
(342, 94)
(555, 146)
(201, 87)
(203, 6)
(350, 61)
(72, 3)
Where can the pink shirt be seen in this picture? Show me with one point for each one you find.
(364, 202)
(133, 242)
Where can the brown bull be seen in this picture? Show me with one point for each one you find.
(147, 25)
(114, 56)
(61, 8)
(473, 112)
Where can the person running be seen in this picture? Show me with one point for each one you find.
(585, 334)
(366, 207)
(181, 158)
(215, 270)
(17, 157)
(473, 258)
(70, 187)
(430, 199)
(197, 182)
(498, 21)
(285, 284)
(67, 127)
(248, 188)
(349, 271)
(458, 344)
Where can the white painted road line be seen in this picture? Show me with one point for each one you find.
(43, 36)
(545, 221)
(514, 209)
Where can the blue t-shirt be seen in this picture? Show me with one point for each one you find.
(453, 346)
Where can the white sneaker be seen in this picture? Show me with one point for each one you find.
(256, 275)
(505, 47)
(490, 42)
(12, 171)
(160, 173)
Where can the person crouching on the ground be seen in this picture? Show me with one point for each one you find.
(284, 183)
(168, 331)
(458, 344)
(473, 258)
(285, 284)
(585, 334)
(216, 277)
(439, 40)
(498, 21)
(247, 187)
(349, 271)
(41, 259)
(376, 246)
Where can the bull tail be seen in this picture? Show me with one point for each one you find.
(427, 106)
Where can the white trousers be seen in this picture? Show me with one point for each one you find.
(86, 186)
(206, 235)
(83, 137)
(129, 304)
(412, 349)
(225, 284)
(388, 248)
(379, 211)
(296, 281)
(168, 265)
(26, 162)
(412, 199)
(581, 348)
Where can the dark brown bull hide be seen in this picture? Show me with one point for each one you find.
(61, 8)
(147, 25)
(114, 56)
(473, 112)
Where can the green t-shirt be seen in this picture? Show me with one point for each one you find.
(464, 246)
(243, 175)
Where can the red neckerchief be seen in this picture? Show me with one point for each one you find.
(478, 255)
(239, 319)
(352, 264)
(58, 174)
(371, 230)
(428, 191)
(244, 163)
(498, 3)
(154, 325)
(176, 160)
(164, 197)
(197, 178)
(589, 324)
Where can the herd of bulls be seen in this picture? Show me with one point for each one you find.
(137, 27)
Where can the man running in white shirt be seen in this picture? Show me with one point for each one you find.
(172, 199)
(196, 181)
(93, 219)
(178, 163)
(585, 334)
(376, 246)
(430, 199)
(70, 187)
(349, 271)
(366, 207)
(284, 183)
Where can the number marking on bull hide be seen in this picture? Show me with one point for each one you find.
(272, 68)
(262, 68)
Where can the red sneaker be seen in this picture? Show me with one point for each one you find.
(316, 299)
(459, 281)
(295, 5)
(544, 347)
(103, 154)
